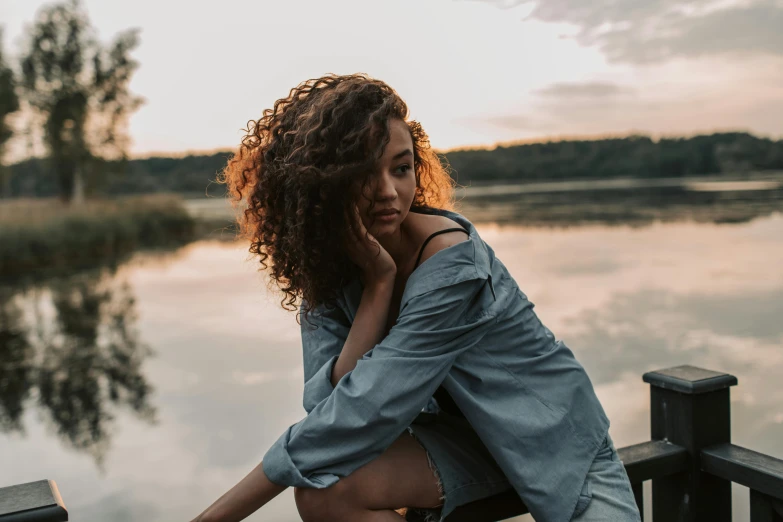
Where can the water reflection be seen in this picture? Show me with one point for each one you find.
(228, 367)
(614, 202)
(71, 348)
(640, 206)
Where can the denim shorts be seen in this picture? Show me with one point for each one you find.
(466, 471)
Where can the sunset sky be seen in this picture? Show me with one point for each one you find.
(473, 72)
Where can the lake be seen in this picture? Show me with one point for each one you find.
(148, 391)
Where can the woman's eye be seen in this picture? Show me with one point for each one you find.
(404, 167)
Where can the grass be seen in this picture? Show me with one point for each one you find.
(43, 237)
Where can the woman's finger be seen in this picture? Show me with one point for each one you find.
(363, 236)
(355, 242)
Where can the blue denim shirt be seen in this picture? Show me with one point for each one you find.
(463, 323)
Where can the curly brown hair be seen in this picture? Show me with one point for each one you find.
(300, 168)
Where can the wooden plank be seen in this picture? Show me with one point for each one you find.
(749, 468)
(652, 459)
(37, 501)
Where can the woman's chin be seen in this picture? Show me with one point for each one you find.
(384, 229)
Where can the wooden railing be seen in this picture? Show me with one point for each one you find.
(690, 461)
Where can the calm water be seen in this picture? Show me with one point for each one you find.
(146, 393)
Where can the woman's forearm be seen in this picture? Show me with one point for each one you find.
(242, 500)
(367, 329)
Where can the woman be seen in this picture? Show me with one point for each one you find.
(429, 380)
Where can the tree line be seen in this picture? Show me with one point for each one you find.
(629, 157)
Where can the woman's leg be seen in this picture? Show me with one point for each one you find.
(400, 477)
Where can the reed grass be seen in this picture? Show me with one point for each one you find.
(40, 237)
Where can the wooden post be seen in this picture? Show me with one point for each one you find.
(764, 508)
(690, 407)
(638, 496)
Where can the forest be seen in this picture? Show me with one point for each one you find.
(629, 157)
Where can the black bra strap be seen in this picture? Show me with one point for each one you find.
(433, 235)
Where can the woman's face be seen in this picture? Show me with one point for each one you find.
(393, 186)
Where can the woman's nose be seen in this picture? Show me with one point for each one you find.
(385, 189)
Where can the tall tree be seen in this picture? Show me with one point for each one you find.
(79, 90)
(9, 103)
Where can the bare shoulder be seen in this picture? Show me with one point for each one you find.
(435, 223)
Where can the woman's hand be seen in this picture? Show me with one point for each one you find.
(238, 503)
(373, 260)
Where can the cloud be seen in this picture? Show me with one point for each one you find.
(583, 90)
(677, 97)
(736, 331)
(656, 30)
(753, 29)
(521, 123)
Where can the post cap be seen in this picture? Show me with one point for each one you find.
(39, 500)
(689, 379)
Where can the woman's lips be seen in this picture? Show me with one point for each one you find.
(386, 216)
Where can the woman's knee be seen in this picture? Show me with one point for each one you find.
(322, 504)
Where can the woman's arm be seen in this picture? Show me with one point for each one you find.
(255, 490)
(368, 326)
(242, 500)
(334, 347)
(325, 339)
(372, 404)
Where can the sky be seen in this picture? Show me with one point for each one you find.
(473, 72)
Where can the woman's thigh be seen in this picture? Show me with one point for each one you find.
(400, 477)
(607, 492)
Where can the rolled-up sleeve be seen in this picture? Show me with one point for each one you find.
(374, 403)
(323, 335)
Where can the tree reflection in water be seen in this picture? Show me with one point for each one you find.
(72, 348)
